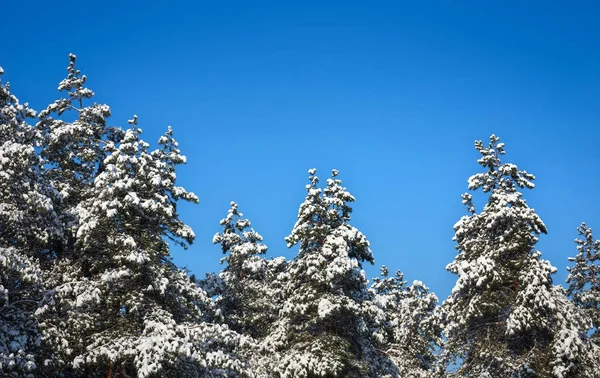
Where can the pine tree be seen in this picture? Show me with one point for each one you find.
(322, 331)
(73, 139)
(119, 306)
(134, 310)
(407, 327)
(504, 317)
(584, 278)
(246, 298)
(27, 222)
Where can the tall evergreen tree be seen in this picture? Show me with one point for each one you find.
(322, 331)
(505, 318)
(124, 303)
(119, 306)
(584, 278)
(73, 138)
(27, 222)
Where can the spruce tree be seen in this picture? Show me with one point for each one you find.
(584, 278)
(322, 330)
(504, 317)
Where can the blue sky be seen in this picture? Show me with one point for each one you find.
(392, 94)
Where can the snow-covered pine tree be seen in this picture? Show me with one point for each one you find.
(73, 150)
(246, 299)
(584, 278)
(504, 317)
(27, 222)
(27, 199)
(120, 305)
(407, 327)
(322, 331)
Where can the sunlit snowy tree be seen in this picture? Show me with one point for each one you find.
(408, 328)
(74, 135)
(322, 331)
(27, 222)
(118, 305)
(504, 317)
(584, 278)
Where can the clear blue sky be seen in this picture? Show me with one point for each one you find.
(392, 94)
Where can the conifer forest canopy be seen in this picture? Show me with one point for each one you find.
(88, 288)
